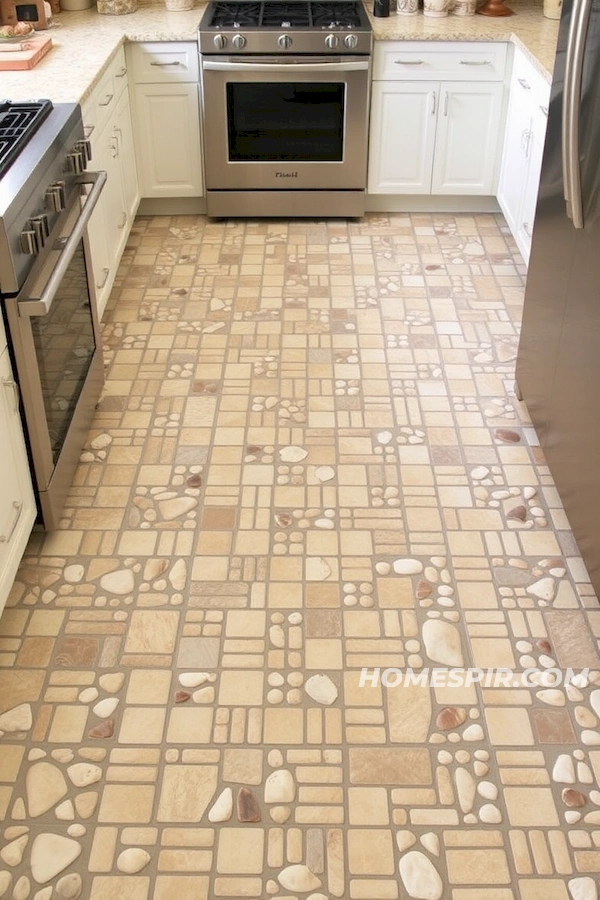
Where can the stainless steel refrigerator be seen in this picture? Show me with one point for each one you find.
(558, 366)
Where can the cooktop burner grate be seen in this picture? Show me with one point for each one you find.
(335, 15)
(18, 123)
(286, 15)
(236, 15)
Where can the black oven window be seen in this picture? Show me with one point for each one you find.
(64, 345)
(281, 122)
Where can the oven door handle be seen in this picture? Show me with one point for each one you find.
(240, 66)
(41, 306)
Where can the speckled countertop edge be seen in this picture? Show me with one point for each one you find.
(84, 42)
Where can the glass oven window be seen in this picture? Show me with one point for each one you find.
(64, 345)
(285, 122)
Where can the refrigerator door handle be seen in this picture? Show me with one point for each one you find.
(570, 111)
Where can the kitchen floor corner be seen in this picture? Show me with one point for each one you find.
(307, 460)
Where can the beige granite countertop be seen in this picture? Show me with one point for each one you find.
(85, 41)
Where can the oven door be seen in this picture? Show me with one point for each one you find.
(274, 123)
(55, 340)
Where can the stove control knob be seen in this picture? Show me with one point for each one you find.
(331, 41)
(75, 163)
(220, 41)
(351, 41)
(55, 198)
(34, 235)
(284, 41)
(28, 242)
(239, 41)
(85, 148)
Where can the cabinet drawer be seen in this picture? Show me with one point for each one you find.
(530, 88)
(118, 69)
(164, 62)
(453, 61)
(97, 108)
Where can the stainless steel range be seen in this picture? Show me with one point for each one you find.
(285, 90)
(44, 292)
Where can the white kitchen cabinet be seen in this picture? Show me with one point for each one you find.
(17, 502)
(403, 118)
(107, 118)
(166, 119)
(523, 150)
(467, 145)
(433, 136)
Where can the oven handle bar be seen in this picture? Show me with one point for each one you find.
(320, 66)
(41, 306)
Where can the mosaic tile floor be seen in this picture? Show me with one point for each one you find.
(307, 460)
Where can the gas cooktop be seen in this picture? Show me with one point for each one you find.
(295, 14)
(18, 123)
(270, 26)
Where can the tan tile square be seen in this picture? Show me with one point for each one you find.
(283, 726)
(323, 653)
(13, 622)
(252, 543)
(509, 725)
(530, 806)
(492, 653)
(148, 686)
(45, 622)
(210, 568)
(241, 688)
(35, 651)
(68, 724)
(361, 623)
(189, 725)
(243, 766)
(215, 517)
(152, 631)
(368, 806)
(370, 851)
(240, 851)
(245, 623)
(127, 803)
(142, 725)
(214, 543)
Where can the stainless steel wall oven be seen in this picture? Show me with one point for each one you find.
(285, 104)
(46, 300)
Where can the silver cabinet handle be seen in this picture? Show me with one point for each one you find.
(570, 111)
(161, 64)
(527, 228)
(100, 284)
(524, 84)
(17, 506)
(107, 100)
(446, 103)
(475, 62)
(544, 109)
(114, 146)
(121, 73)
(12, 384)
(88, 131)
(409, 62)
(123, 220)
(433, 103)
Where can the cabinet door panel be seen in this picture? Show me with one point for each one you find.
(467, 146)
(403, 126)
(17, 504)
(514, 159)
(167, 140)
(124, 132)
(530, 194)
